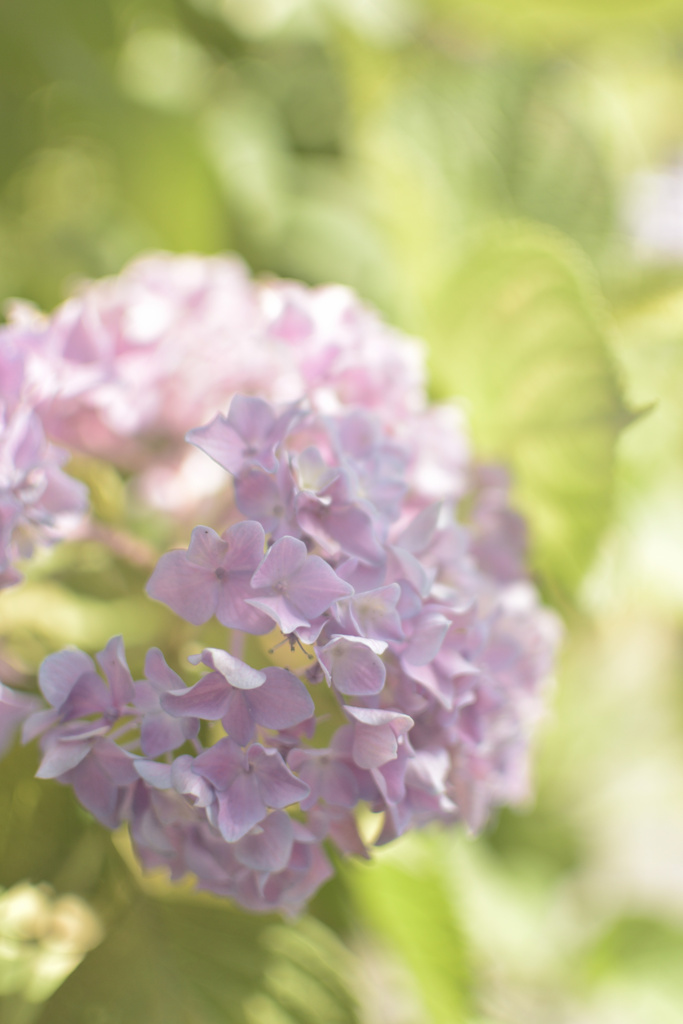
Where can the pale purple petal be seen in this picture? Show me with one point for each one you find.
(376, 735)
(96, 791)
(221, 442)
(160, 733)
(327, 776)
(58, 673)
(340, 528)
(280, 611)
(118, 764)
(427, 637)
(238, 720)
(285, 558)
(190, 782)
(154, 773)
(61, 756)
(353, 666)
(113, 662)
(268, 846)
(252, 417)
(37, 723)
(257, 495)
(15, 707)
(339, 785)
(206, 549)
(315, 586)
(278, 786)
(374, 613)
(236, 672)
(247, 436)
(159, 672)
(221, 764)
(234, 607)
(189, 590)
(207, 699)
(89, 696)
(240, 807)
(419, 532)
(245, 543)
(282, 701)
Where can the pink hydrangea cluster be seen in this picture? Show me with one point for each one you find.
(38, 501)
(418, 649)
(139, 359)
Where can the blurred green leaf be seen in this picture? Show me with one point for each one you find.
(408, 905)
(641, 944)
(46, 836)
(520, 333)
(106, 489)
(39, 822)
(189, 962)
(536, 23)
(48, 611)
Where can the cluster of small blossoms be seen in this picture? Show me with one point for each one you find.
(139, 359)
(38, 501)
(343, 527)
(422, 681)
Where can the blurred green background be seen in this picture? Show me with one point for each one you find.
(501, 179)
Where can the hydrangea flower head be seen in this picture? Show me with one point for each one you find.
(419, 648)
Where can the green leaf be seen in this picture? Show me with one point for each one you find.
(182, 961)
(536, 23)
(520, 333)
(404, 897)
(40, 822)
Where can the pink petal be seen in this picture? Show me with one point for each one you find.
(58, 673)
(154, 774)
(419, 532)
(160, 733)
(221, 442)
(158, 671)
(252, 417)
(268, 846)
(187, 589)
(61, 756)
(238, 720)
(374, 613)
(376, 735)
(285, 558)
(427, 638)
(240, 808)
(234, 608)
(206, 549)
(37, 723)
(207, 699)
(96, 791)
(236, 672)
(352, 665)
(88, 696)
(282, 701)
(221, 764)
(315, 586)
(280, 611)
(190, 783)
(117, 763)
(112, 661)
(277, 785)
(346, 528)
(245, 543)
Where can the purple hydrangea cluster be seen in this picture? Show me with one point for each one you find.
(415, 647)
